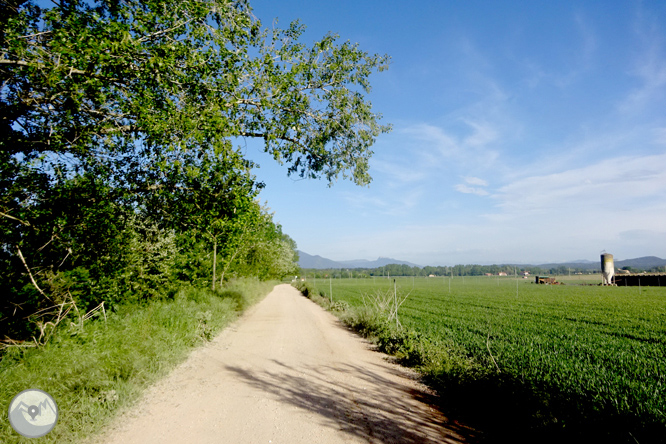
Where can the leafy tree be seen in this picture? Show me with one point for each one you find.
(126, 90)
(153, 80)
(113, 110)
(261, 249)
(208, 196)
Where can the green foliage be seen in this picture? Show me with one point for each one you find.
(99, 369)
(119, 181)
(307, 289)
(150, 261)
(340, 306)
(93, 79)
(117, 164)
(266, 252)
(204, 331)
(569, 363)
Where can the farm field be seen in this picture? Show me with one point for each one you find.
(600, 349)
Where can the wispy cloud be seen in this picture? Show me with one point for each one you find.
(649, 67)
(434, 139)
(466, 189)
(659, 136)
(612, 182)
(588, 37)
(399, 170)
(471, 190)
(386, 203)
(476, 181)
(470, 144)
(578, 61)
(513, 149)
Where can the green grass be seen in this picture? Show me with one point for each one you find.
(94, 372)
(566, 361)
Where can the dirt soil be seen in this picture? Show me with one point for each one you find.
(286, 372)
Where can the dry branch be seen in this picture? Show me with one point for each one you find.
(490, 353)
(32, 279)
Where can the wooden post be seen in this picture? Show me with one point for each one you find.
(395, 301)
(214, 261)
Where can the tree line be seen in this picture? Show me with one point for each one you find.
(456, 270)
(122, 173)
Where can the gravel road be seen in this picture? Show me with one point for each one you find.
(287, 372)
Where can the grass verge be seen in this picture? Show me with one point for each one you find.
(98, 369)
(505, 407)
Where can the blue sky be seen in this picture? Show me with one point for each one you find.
(524, 132)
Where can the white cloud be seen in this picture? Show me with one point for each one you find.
(614, 204)
(398, 170)
(611, 182)
(363, 201)
(462, 188)
(389, 203)
(471, 146)
(483, 135)
(652, 73)
(476, 181)
(434, 138)
(471, 190)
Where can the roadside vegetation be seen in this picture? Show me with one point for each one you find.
(96, 368)
(524, 362)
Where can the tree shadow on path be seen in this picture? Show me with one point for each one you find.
(358, 401)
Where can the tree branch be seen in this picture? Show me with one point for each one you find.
(30, 274)
(285, 138)
(34, 35)
(27, 224)
(71, 70)
(164, 31)
(37, 65)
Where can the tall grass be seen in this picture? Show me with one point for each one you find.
(94, 371)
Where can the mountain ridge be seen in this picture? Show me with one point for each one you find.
(306, 260)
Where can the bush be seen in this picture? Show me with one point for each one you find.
(340, 306)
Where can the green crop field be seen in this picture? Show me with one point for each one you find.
(602, 349)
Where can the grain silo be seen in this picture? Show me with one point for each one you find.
(607, 268)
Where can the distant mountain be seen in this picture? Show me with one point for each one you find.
(380, 262)
(308, 261)
(644, 263)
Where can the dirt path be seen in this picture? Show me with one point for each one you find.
(287, 372)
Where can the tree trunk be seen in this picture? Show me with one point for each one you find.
(238, 248)
(227, 266)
